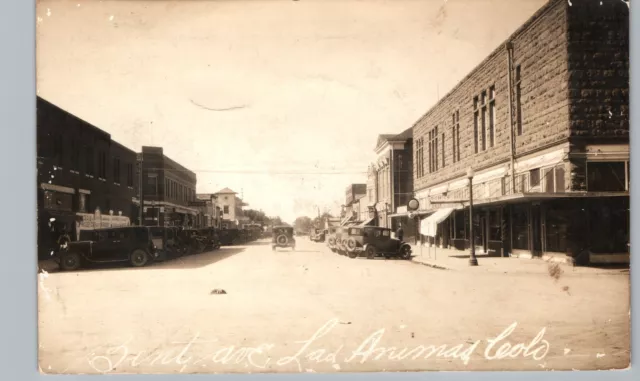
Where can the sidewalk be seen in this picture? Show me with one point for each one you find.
(456, 260)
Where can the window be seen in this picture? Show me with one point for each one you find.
(492, 115)
(520, 215)
(534, 177)
(90, 160)
(420, 157)
(433, 150)
(483, 132)
(226, 209)
(116, 170)
(443, 161)
(495, 225)
(554, 179)
(130, 175)
(518, 102)
(557, 225)
(606, 177)
(476, 117)
(455, 137)
(102, 165)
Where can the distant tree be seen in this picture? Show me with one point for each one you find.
(303, 224)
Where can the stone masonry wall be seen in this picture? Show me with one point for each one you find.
(540, 48)
(598, 59)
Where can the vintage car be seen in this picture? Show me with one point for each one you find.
(334, 240)
(229, 237)
(283, 236)
(167, 243)
(374, 242)
(191, 241)
(212, 241)
(317, 235)
(132, 244)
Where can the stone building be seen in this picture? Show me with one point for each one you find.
(85, 179)
(543, 124)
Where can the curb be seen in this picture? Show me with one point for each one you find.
(430, 265)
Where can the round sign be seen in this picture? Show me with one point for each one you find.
(413, 204)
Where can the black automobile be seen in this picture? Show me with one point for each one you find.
(132, 244)
(283, 237)
(374, 242)
(212, 241)
(167, 242)
(191, 241)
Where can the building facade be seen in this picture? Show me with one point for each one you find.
(542, 128)
(85, 179)
(390, 184)
(210, 209)
(169, 191)
(231, 208)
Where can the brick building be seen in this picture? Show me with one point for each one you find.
(543, 122)
(85, 179)
(169, 191)
(392, 176)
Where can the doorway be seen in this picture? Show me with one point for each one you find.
(536, 230)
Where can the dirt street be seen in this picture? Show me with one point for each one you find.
(315, 311)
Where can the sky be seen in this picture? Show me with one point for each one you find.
(280, 100)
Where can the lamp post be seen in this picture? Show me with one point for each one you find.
(473, 261)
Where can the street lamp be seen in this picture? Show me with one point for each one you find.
(473, 261)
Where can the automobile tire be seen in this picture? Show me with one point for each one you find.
(405, 252)
(70, 261)
(371, 252)
(139, 258)
(353, 255)
(282, 239)
(351, 244)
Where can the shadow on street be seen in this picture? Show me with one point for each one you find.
(186, 262)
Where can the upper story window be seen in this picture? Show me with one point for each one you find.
(433, 150)
(455, 136)
(484, 120)
(420, 157)
(90, 161)
(116, 170)
(102, 165)
(608, 176)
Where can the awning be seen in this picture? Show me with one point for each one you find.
(429, 225)
(367, 222)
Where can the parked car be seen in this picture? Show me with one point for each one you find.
(317, 235)
(375, 242)
(283, 236)
(191, 241)
(334, 238)
(212, 241)
(167, 242)
(133, 244)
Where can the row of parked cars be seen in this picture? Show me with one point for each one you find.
(367, 241)
(140, 245)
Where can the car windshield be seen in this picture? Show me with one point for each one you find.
(355, 231)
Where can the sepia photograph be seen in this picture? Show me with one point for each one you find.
(332, 186)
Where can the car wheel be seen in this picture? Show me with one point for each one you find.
(70, 261)
(353, 255)
(405, 252)
(139, 258)
(371, 252)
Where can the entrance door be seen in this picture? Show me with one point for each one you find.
(536, 230)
